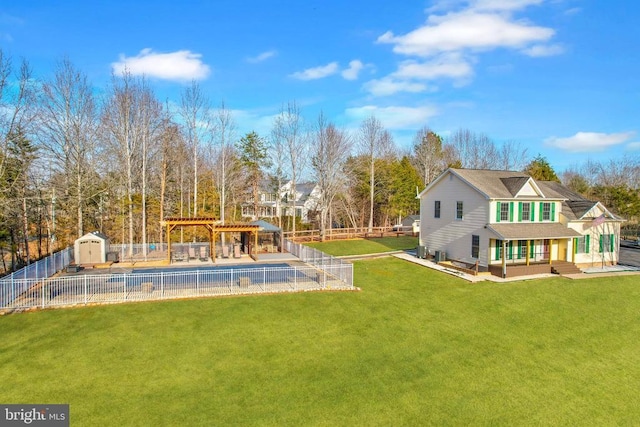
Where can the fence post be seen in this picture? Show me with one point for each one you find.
(162, 285)
(197, 282)
(264, 278)
(86, 290)
(42, 287)
(125, 287)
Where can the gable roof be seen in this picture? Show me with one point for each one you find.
(575, 206)
(493, 184)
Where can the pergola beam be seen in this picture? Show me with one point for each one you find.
(214, 227)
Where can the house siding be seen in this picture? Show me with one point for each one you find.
(448, 233)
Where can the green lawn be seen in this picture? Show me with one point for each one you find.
(366, 246)
(415, 347)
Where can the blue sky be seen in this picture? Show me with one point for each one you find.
(559, 77)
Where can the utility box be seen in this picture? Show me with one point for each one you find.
(441, 256)
(421, 252)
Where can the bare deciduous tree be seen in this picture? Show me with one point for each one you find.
(473, 151)
(428, 155)
(374, 141)
(67, 125)
(331, 147)
(194, 110)
(288, 130)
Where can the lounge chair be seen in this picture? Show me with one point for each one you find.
(225, 251)
(236, 251)
(192, 253)
(203, 253)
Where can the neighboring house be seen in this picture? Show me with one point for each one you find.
(272, 205)
(509, 224)
(409, 223)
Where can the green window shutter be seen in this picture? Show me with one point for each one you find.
(587, 243)
(532, 248)
(510, 211)
(610, 242)
(520, 250)
(498, 244)
(575, 246)
(601, 239)
(510, 249)
(519, 211)
(533, 212)
(553, 211)
(541, 207)
(498, 213)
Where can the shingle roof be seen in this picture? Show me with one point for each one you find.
(494, 184)
(527, 231)
(575, 206)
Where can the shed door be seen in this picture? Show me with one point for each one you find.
(90, 252)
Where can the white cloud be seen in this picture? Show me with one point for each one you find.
(182, 65)
(450, 66)
(394, 117)
(262, 57)
(497, 5)
(317, 72)
(354, 69)
(455, 33)
(632, 146)
(390, 86)
(589, 141)
(543, 50)
(466, 30)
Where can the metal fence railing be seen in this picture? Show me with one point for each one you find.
(123, 287)
(19, 281)
(320, 259)
(34, 285)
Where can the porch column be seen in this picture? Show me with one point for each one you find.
(550, 250)
(504, 259)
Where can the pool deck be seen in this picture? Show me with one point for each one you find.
(126, 266)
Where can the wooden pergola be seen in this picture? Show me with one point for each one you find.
(214, 227)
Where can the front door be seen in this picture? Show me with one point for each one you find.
(545, 249)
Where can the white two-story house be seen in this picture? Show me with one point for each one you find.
(507, 223)
(283, 202)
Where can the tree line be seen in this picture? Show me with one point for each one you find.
(76, 158)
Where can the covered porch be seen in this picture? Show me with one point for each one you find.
(525, 249)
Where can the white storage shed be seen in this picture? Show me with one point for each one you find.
(91, 248)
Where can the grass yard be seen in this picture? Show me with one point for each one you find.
(366, 246)
(415, 347)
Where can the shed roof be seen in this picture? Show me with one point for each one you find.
(526, 231)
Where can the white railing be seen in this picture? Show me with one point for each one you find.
(18, 282)
(124, 287)
(320, 260)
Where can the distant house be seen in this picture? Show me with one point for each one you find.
(509, 224)
(272, 204)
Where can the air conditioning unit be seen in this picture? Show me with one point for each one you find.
(441, 256)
